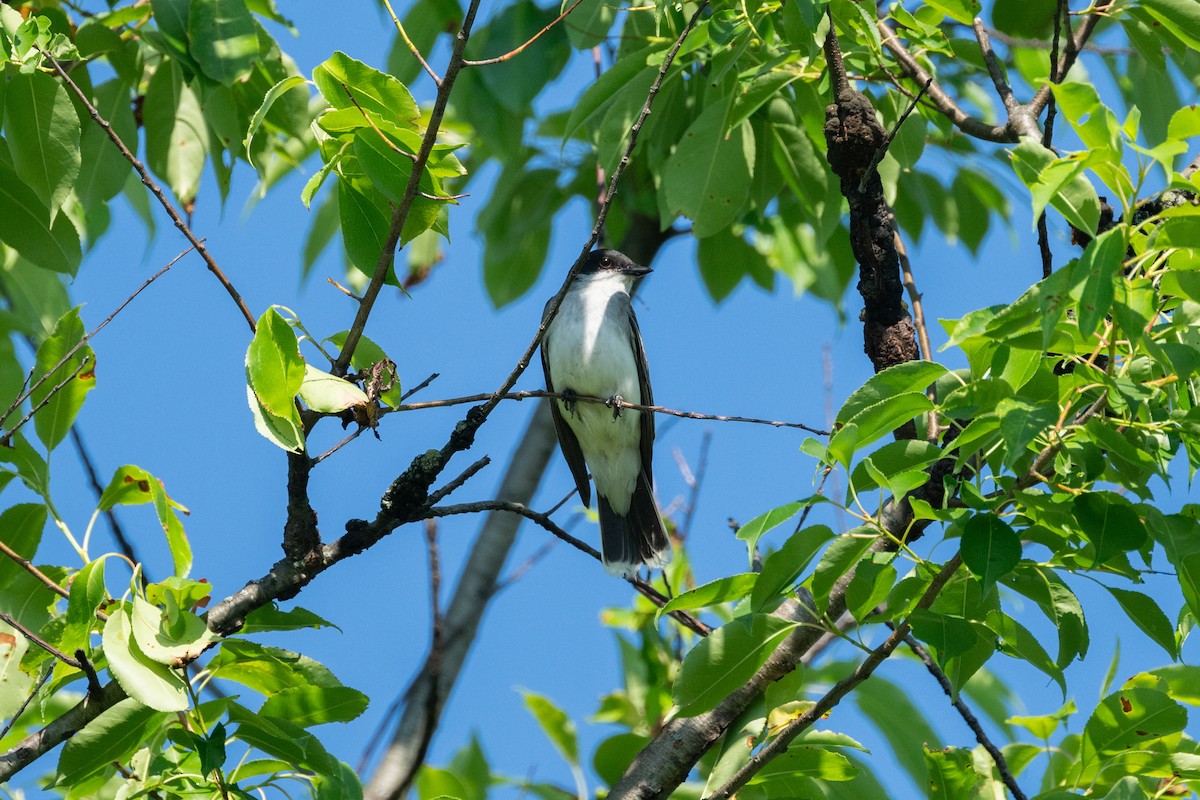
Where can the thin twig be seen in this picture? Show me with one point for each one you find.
(541, 393)
(411, 189)
(1061, 18)
(37, 687)
(154, 188)
(1075, 44)
(419, 387)
(914, 298)
(531, 40)
(972, 126)
(412, 48)
(555, 301)
(40, 642)
(28, 566)
(968, 717)
(58, 387)
(25, 395)
(687, 620)
(995, 70)
(831, 698)
(454, 485)
(882, 151)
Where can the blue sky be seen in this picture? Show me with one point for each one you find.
(171, 398)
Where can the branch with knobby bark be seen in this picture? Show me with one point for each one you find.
(481, 576)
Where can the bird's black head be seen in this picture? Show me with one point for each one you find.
(611, 261)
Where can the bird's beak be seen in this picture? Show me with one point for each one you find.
(636, 270)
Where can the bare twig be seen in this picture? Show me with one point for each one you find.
(454, 485)
(26, 565)
(37, 687)
(697, 483)
(995, 70)
(914, 298)
(25, 395)
(42, 643)
(1061, 18)
(411, 190)
(972, 126)
(418, 387)
(882, 151)
(412, 48)
(1075, 44)
(531, 40)
(980, 735)
(687, 620)
(197, 243)
(540, 393)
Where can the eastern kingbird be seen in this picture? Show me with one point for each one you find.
(593, 347)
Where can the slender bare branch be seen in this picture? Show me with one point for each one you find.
(412, 48)
(980, 734)
(168, 206)
(28, 566)
(540, 393)
(25, 395)
(517, 51)
(685, 619)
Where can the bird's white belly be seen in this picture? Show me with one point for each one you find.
(600, 367)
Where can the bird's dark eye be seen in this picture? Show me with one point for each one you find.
(606, 261)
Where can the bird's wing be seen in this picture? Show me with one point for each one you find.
(639, 354)
(566, 437)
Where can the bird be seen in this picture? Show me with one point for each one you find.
(593, 347)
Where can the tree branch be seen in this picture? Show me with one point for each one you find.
(155, 190)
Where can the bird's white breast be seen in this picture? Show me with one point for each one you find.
(591, 352)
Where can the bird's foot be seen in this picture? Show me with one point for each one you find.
(569, 400)
(616, 403)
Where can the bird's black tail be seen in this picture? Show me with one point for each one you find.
(637, 538)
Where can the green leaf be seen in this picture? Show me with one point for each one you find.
(555, 724)
(25, 225)
(274, 366)
(104, 170)
(952, 774)
(328, 394)
(906, 378)
(1132, 718)
(173, 642)
(870, 586)
(314, 705)
(614, 755)
(1101, 264)
(804, 762)
(132, 485)
(1109, 523)
(722, 590)
(87, 594)
(365, 225)
(1018, 642)
(1145, 613)
(1021, 423)
(948, 635)
(277, 91)
(599, 94)
(1058, 182)
(73, 380)
(516, 233)
(22, 525)
(588, 24)
(724, 259)
(707, 179)
(877, 421)
(1181, 17)
(281, 431)
(223, 37)
(42, 131)
(726, 659)
(990, 548)
(902, 724)
(268, 670)
(176, 131)
(841, 555)
(366, 355)
(114, 735)
(282, 739)
(348, 83)
(781, 569)
(753, 530)
(148, 681)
